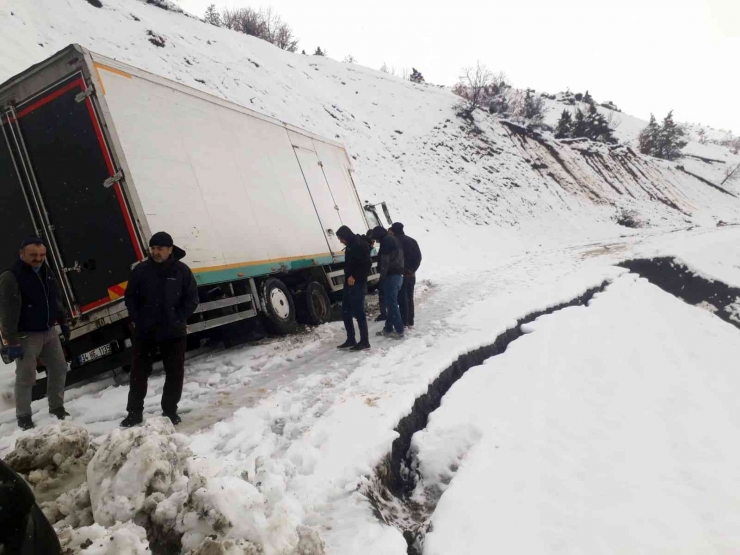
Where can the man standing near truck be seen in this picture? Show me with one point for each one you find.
(357, 265)
(411, 262)
(30, 307)
(160, 297)
(390, 266)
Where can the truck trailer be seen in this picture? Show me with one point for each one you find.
(96, 156)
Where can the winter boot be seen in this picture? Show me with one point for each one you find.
(361, 346)
(133, 419)
(173, 416)
(347, 344)
(25, 422)
(60, 413)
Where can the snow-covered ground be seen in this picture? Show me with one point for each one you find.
(287, 431)
(605, 429)
(279, 438)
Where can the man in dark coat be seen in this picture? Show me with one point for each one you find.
(30, 307)
(160, 297)
(411, 261)
(357, 265)
(390, 266)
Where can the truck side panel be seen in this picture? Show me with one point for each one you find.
(226, 185)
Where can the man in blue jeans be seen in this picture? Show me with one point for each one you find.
(390, 266)
(357, 264)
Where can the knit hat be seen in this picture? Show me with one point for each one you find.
(161, 239)
(32, 241)
(397, 227)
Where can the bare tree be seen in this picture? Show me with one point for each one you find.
(264, 24)
(731, 174)
(385, 68)
(473, 85)
(350, 59)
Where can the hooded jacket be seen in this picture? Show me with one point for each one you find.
(161, 297)
(390, 254)
(411, 253)
(357, 259)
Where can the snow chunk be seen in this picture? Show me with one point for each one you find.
(135, 469)
(122, 539)
(48, 446)
(72, 508)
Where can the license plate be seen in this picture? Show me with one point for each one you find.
(95, 354)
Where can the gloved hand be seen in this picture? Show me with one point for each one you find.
(15, 352)
(66, 332)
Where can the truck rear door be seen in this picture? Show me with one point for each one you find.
(82, 206)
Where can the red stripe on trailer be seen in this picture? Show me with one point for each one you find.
(77, 83)
(95, 304)
(117, 186)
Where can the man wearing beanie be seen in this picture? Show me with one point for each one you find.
(160, 297)
(357, 265)
(30, 307)
(411, 263)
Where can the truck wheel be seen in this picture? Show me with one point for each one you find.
(317, 304)
(279, 307)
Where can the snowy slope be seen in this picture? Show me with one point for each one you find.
(409, 147)
(573, 443)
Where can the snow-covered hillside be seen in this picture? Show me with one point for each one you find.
(410, 148)
(283, 443)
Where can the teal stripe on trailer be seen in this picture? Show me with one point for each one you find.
(244, 272)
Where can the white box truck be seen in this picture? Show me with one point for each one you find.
(95, 156)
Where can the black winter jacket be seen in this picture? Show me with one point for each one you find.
(29, 301)
(161, 297)
(357, 260)
(411, 253)
(390, 257)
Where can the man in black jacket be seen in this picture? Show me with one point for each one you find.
(357, 265)
(411, 261)
(390, 266)
(160, 297)
(30, 307)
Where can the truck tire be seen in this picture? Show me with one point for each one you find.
(317, 304)
(279, 306)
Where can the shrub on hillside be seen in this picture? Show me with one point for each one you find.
(319, 52)
(264, 24)
(609, 105)
(416, 76)
(591, 125)
(662, 141)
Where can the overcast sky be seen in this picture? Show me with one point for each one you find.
(644, 55)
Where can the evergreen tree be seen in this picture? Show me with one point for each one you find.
(564, 129)
(212, 16)
(580, 125)
(587, 98)
(534, 109)
(670, 139)
(648, 138)
(319, 52)
(303, 52)
(416, 76)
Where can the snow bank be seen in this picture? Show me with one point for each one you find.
(121, 539)
(72, 508)
(50, 457)
(135, 469)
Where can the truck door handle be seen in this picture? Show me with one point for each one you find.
(330, 231)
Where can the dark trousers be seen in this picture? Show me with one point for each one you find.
(353, 308)
(381, 298)
(173, 357)
(406, 300)
(393, 284)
